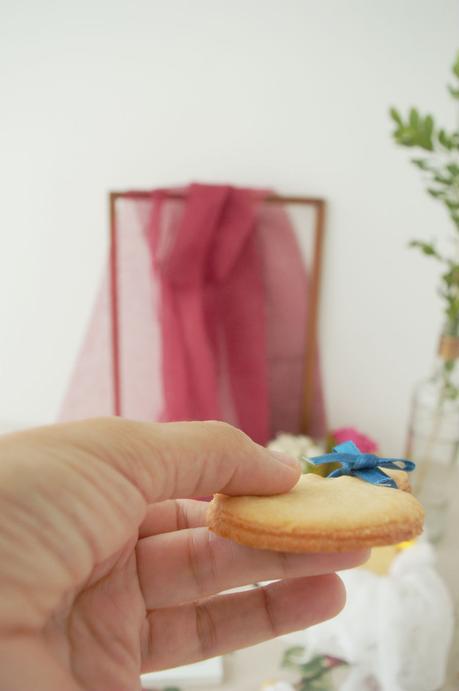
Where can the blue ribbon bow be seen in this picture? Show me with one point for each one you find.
(365, 466)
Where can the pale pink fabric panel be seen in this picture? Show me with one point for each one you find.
(90, 389)
(140, 336)
(286, 308)
(240, 309)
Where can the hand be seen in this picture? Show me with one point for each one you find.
(107, 571)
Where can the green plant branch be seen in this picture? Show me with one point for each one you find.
(440, 169)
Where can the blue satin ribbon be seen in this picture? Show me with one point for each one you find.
(365, 466)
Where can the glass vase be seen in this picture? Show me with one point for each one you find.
(433, 436)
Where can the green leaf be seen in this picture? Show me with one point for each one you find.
(451, 279)
(407, 138)
(295, 650)
(427, 130)
(414, 118)
(454, 92)
(429, 124)
(442, 179)
(447, 278)
(455, 68)
(426, 248)
(451, 392)
(395, 115)
(291, 656)
(438, 194)
(445, 140)
(421, 163)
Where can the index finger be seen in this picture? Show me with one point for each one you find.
(183, 459)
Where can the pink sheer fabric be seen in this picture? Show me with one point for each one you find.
(212, 313)
(213, 327)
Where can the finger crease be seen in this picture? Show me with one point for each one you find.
(195, 564)
(180, 516)
(201, 475)
(268, 609)
(211, 558)
(233, 474)
(206, 630)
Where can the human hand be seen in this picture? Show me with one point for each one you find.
(107, 570)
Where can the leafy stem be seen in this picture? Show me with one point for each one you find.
(439, 164)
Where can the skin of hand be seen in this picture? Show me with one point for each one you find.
(107, 569)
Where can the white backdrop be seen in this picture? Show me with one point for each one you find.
(102, 94)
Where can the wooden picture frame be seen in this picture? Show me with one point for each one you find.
(315, 272)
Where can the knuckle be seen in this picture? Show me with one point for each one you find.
(227, 434)
(219, 427)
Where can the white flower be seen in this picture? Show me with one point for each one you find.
(297, 446)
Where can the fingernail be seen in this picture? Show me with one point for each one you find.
(285, 459)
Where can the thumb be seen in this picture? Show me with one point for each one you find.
(183, 459)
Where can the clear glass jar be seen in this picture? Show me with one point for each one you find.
(433, 436)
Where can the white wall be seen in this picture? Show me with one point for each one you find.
(102, 94)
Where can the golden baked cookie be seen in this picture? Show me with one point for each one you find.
(319, 515)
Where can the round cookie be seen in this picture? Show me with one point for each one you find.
(319, 515)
